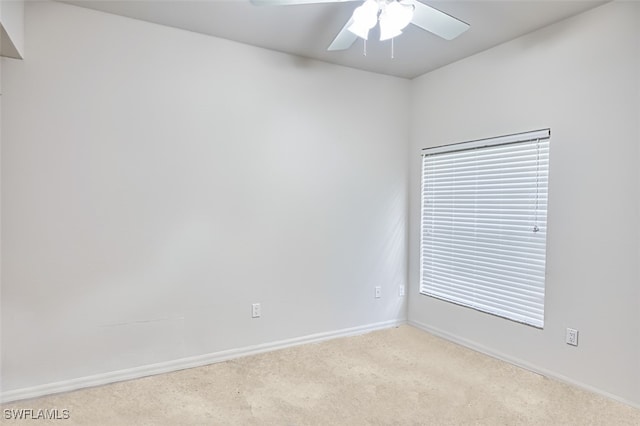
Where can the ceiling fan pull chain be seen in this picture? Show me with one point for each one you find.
(392, 56)
(364, 53)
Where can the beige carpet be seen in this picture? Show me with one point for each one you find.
(400, 376)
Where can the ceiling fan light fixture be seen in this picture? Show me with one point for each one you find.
(359, 30)
(387, 29)
(394, 18)
(399, 15)
(364, 18)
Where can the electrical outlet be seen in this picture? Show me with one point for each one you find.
(572, 337)
(255, 310)
(401, 291)
(378, 292)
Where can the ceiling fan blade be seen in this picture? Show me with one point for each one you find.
(436, 22)
(288, 2)
(344, 39)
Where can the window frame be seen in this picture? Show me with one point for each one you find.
(534, 317)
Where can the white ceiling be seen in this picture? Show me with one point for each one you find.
(307, 30)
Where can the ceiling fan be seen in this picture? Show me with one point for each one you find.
(392, 15)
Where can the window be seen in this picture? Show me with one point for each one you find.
(484, 225)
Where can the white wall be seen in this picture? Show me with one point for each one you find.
(581, 78)
(156, 182)
(12, 28)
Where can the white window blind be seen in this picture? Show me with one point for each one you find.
(484, 225)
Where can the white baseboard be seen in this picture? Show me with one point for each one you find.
(184, 363)
(516, 361)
